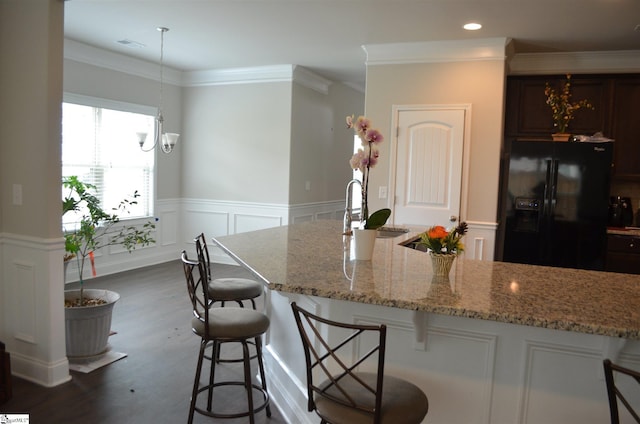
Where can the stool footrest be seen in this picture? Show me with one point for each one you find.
(264, 404)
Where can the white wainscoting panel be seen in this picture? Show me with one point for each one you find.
(22, 308)
(480, 240)
(562, 384)
(32, 307)
(220, 218)
(244, 223)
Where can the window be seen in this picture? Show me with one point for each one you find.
(356, 203)
(99, 145)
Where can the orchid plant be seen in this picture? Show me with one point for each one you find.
(365, 159)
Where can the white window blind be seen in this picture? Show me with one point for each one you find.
(99, 145)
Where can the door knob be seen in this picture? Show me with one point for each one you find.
(453, 218)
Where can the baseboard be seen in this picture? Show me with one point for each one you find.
(293, 408)
(49, 374)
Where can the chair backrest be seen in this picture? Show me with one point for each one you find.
(613, 390)
(203, 253)
(197, 288)
(330, 359)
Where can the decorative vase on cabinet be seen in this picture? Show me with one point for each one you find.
(560, 136)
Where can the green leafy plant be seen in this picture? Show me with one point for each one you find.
(96, 228)
(562, 108)
(365, 159)
(439, 240)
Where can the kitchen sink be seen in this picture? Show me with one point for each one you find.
(391, 232)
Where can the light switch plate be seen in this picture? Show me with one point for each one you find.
(17, 194)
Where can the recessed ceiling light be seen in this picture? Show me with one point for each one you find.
(472, 26)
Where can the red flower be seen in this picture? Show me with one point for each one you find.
(438, 232)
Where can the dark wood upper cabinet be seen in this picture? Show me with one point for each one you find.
(616, 113)
(626, 128)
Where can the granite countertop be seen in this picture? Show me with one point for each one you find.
(314, 258)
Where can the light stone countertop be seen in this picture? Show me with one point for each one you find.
(314, 258)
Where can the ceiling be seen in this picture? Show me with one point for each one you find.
(326, 36)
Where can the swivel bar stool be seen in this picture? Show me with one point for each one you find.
(230, 289)
(218, 326)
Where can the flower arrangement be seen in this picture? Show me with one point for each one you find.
(561, 107)
(441, 241)
(365, 159)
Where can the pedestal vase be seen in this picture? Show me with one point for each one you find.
(441, 263)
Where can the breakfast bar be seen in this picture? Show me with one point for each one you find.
(494, 343)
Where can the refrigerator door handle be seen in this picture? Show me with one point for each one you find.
(554, 187)
(546, 206)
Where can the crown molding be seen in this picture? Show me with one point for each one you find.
(309, 79)
(258, 74)
(436, 51)
(621, 61)
(84, 53)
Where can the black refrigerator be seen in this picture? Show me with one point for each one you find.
(554, 204)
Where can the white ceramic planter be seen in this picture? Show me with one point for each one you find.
(365, 241)
(88, 327)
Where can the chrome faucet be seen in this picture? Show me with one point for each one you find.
(348, 210)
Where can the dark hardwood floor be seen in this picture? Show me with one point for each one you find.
(153, 383)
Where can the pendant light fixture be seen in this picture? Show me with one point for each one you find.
(166, 141)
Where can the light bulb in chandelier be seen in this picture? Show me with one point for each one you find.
(166, 141)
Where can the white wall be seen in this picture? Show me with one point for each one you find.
(265, 152)
(239, 137)
(321, 143)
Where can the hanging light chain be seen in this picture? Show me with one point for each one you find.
(166, 141)
(162, 31)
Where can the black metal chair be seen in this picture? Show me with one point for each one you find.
(613, 390)
(218, 326)
(350, 396)
(227, 289)
(230, 289)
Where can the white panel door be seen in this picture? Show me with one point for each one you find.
(428, 168)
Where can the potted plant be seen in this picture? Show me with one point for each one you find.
(365, 159)
(562, 109)
(88, 312)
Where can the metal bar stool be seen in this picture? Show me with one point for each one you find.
(222, 290)
(346, 394)
(218, 326)
(231, 289)
(616, 393)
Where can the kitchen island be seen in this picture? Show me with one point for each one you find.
(496, 343)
